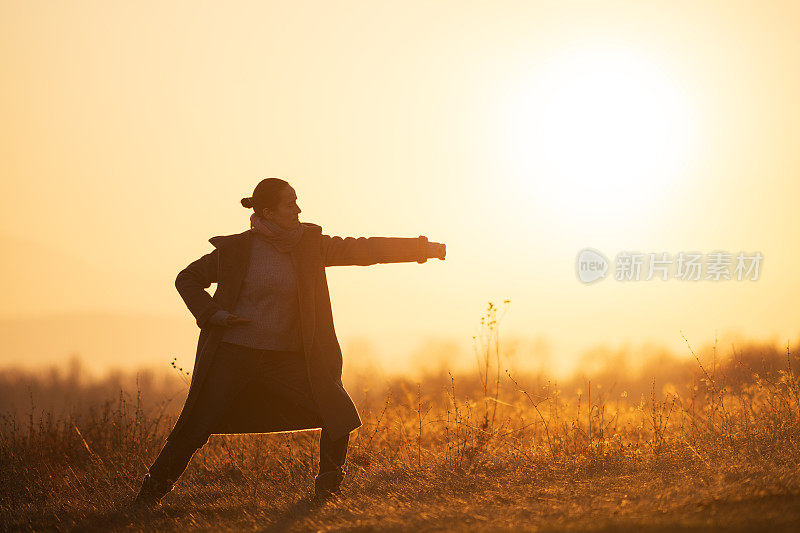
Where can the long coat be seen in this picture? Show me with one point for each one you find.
(256, 411)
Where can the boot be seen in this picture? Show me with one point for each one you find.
(152, 491)
(328, 484)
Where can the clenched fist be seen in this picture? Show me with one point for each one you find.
(436, 250)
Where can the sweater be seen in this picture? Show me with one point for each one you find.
(268, 297)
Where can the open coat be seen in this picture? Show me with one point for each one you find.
(256, 411)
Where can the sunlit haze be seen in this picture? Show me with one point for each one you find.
(517, 133)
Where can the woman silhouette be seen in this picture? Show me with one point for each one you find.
(267, 357)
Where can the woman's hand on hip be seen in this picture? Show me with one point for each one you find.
(224, 318)
(233, 320)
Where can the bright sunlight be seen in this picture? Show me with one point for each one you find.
(600, 131)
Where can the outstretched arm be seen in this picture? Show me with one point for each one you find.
(364, 251)
(192, 283)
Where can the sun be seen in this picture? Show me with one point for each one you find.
(599, 133)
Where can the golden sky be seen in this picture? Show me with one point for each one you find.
(518, 133)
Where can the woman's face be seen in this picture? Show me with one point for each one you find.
(286, 212)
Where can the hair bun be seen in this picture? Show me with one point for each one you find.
(247, 202)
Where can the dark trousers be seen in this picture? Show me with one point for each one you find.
(234, 367)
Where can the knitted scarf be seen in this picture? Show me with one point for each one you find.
(283, 239)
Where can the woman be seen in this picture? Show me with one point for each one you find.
(268, 358)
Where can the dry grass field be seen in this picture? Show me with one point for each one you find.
(683, 443)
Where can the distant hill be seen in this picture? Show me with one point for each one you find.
(43, 287)
(102, 340)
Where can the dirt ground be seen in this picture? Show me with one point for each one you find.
(648, 501)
